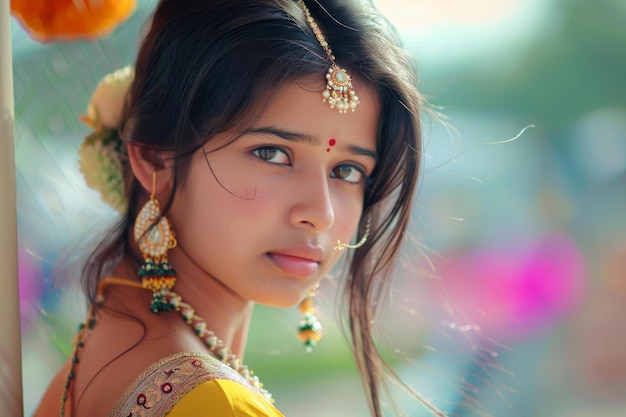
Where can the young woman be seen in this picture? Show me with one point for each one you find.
(258, 138)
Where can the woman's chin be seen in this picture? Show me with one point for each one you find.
(282, 300)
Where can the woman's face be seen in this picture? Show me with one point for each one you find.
(263, 214)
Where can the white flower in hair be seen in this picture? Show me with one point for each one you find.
(107, 101)
(100, 158)
(100, 164)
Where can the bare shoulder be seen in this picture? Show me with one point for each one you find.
(115, 353)
(126, 340)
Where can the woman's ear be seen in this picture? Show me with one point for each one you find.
(144, 166)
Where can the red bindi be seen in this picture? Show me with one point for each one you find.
(331, 143)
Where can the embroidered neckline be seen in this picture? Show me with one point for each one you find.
(161, 385)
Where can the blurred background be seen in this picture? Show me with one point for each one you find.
(510, 299)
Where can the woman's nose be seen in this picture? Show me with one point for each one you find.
(312, 205)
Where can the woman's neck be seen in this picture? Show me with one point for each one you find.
(225, 312)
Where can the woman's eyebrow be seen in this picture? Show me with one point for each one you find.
(309, 140)
(285, 134)
(359, 150)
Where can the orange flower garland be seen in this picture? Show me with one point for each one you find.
(51, 20)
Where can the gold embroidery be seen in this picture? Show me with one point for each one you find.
(161, 385)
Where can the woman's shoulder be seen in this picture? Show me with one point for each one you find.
(221, 398)
(161, 384)
(187, 384)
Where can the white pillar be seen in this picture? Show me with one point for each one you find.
(10, 343)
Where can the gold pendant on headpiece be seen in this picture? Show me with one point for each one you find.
(338, 92)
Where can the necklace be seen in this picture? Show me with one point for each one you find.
(209, 338)
(188, 313)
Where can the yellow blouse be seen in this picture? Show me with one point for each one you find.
(192, 385)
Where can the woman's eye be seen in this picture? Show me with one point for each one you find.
(348, 173)
(272, 155)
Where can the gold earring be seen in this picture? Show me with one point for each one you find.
(310, 328)
(341, 246)
(154, 236)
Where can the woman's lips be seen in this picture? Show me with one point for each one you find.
(294, 266)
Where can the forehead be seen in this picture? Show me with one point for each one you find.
(298, 106)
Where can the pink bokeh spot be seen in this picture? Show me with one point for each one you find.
(518, 289)
(31, 284)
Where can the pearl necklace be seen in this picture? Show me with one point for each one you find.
(209, 338)
(197, 323)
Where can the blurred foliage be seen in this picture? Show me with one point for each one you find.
(574, 66)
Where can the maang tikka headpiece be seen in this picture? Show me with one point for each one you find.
(338, 92)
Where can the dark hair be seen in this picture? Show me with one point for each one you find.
(206, 67)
